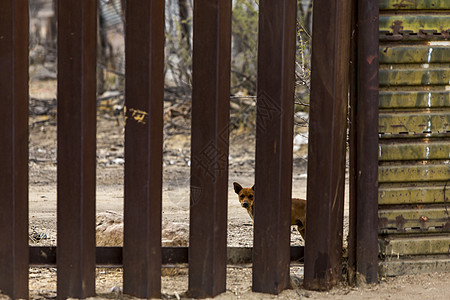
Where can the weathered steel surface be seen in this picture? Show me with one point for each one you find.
(14, 148)
(415, 23)
(327, 143)
(435, 75)
(415, 193)
(363, 234)
(209, 150)
(144, 92)
(414, 152)
(417, 4)
(416, 122)
(77, 40)
(418, 219)
(274, 136)
(414, 266)
(411, 173)
(415, 245)
(408, 54)
(414, 99)
(423, 193)
(428, 149)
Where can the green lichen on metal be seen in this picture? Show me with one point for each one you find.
(415, 122)
(414, 4)
(415, 23)
(414, 99)
(414, 173)
(406, 54)
(401, 194)
(415, 246)
(399, 75)
(414, 151)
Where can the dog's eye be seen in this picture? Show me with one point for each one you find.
(242, 196)
(250, 196)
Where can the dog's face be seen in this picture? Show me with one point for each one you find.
(246, 197)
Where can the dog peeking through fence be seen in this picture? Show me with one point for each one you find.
(298, 207)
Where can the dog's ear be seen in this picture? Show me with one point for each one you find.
(237, 187)
(253, 187)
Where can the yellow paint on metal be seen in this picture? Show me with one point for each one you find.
(415, 246)
(401, 194)
(402, 75)
(418, 4)
(414, 173)
(414, 99)
(414, 81)
(415, 22)
(414, 151)
(408, 54)
(416, 122)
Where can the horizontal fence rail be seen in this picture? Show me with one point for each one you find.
(113, 256)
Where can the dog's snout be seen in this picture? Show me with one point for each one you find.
(245, 204)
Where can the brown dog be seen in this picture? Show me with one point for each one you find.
(298, 213)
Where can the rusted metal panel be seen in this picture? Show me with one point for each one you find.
(77, 40)
(414, 99)
(408, 54)
(416, 122)
(209, 150)
(274, 136)
(438, 171)
(14, 148)
(415, 23)
(424, 150)
(144, 93)
(418, 219)
(327, 143)
(415, 245)
(415, 193)
(418, 4)
(414, 75)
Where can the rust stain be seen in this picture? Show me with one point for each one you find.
(400, 222)
(397, 27)
(423, 221)
(405, 3)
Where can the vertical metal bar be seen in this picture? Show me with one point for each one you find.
(327, 143)
(363, 241)
(351, 249)
(14, 148)
(209, 170)
(77, 38)
(274, 137)
(144, 93)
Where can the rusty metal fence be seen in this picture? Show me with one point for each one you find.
(413, 172)
(76, 255)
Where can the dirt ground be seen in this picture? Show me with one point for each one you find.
(110, 158)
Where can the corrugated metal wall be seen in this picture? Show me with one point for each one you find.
(414, 144)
